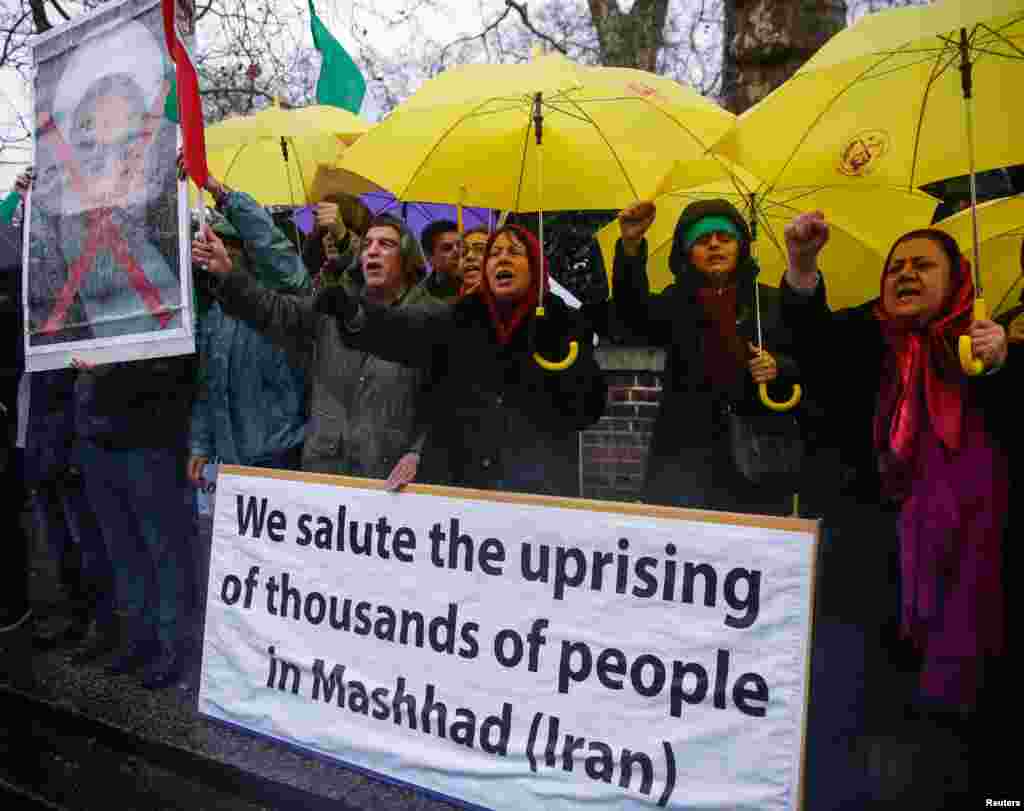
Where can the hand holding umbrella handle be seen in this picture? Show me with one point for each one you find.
(971, 365)
(784, 405)
(552, 365)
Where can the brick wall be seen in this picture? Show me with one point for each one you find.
(614, 457)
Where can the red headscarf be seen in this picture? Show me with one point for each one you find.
(923, 384)
(507, 323)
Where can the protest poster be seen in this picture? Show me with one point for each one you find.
(106, 270)
(511, 651)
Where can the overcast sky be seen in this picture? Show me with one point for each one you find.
(448, 18)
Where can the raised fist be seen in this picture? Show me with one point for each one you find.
(635, 220)
(806, 235)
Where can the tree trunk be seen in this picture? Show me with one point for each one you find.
(632, 40)
(766, 42)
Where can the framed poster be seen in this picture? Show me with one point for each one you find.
(107, 273)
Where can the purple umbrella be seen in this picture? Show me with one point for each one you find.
(416, 215)
(419, 215)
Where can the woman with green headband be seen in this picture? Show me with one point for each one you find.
(706, 321)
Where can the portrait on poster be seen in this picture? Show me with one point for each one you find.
(106, 272)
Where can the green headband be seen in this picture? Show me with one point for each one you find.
(707, 225)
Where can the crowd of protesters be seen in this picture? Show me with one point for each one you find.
(348, 357)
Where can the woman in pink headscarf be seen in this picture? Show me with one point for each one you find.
(924, 447)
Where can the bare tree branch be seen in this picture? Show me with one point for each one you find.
(525, 17)
(60, 11)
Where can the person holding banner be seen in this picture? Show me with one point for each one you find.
(926, 447)
(499, 420)
(707, 322)
(365, 419)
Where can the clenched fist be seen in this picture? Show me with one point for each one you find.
(634, 222)
(806, 235)
(988, 343)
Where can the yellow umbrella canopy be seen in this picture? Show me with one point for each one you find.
(1000, 233)
(864, 223)
(609, 135)
(882, 102)
(274, 154)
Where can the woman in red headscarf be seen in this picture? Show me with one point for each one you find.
(498, 420)
(924, 449)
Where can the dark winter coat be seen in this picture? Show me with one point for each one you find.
(690, 462)
(497, 419)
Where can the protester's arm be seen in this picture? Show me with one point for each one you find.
(201, 440)
(408, 335)
(276, 262)
(286, 319)
(643, 313)
(647, 315)
(202, 443)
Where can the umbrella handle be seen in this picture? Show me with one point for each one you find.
(553, 365)
(971, 365)
(784, 405)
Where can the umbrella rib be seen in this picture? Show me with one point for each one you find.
(611, 149)
(522, 164)
(999, 37)
(568, 113)
(234, 160)
(435, 147)
(937, 71)
(302, 179)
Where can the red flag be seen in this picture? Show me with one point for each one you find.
(190, 108)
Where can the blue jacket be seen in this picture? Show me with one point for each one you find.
(251, 400)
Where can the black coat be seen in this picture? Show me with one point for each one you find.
(841, 356)
(690, 462)
(495, 420)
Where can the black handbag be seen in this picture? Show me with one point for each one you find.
(766, 448)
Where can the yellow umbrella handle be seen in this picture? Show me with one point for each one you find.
(971, 365)
(784, 405)
(556, 365)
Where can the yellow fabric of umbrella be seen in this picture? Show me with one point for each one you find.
(609, 136)
(1000, 232)
(881, 103)
(864, 222)
(274, 154)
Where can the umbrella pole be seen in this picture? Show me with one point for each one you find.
(570, 358)
(971, 365)
(762, 388)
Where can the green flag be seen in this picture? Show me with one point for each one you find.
(341, 84)
(8, 206)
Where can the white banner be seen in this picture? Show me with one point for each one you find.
(514, 652)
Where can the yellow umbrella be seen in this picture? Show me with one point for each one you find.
(882, 103)
(474, 135)
(483, 134)
(865, 224)
(1001, 233)
(274, 154)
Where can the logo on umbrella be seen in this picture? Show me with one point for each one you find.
(862, 152)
